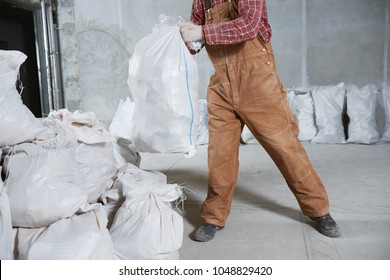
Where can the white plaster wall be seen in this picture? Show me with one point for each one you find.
(346, 41)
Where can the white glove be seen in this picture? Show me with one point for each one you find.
(196, 46)
(191, 32)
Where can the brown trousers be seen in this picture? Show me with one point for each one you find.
(246, 89)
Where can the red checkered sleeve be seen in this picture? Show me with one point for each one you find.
(252, 21)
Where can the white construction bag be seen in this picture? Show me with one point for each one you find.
(163, 79)
(146, 226)
(94, 148)
(17, 123)
(80, 237)
(43, 185)
(247, 136)
(290, 93)
(121, 122)
(120, 128)
(97, 164)
(329, 102)
(6, 232)
(125, 152)
(361, 110)
(85, 126)
(385, 103)
(304, 114)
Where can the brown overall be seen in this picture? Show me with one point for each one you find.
(246, 89)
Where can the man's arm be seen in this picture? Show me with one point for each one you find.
(244, 27)
(197, 12)
(252, 21)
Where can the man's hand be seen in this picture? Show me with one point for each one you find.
(191, 32)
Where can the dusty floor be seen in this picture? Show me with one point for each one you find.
(265, 221)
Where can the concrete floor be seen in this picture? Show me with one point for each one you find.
(266, 222)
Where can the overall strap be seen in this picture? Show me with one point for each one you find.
(233, 9)
(208, 4)
(208, 10)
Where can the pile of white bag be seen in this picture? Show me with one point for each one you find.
(329, 103)
(342, 114)
(338, 114)
(70, 189)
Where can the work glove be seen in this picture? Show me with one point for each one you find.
(191, 32)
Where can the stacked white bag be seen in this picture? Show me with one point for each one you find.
(120, 128)
(329, 102)
(93, 154)
(385, 104)
(81, 237)
(54, 186)
(6, 231)
(361, 110)
(247, 136)
(43, 185)
(303, 109)
(54, 202)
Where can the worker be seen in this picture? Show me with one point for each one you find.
(246, 90)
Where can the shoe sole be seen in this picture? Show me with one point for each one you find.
(330, 233)
(209, 237)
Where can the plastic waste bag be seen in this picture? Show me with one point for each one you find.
(247, 136)
(80, 237)
(94, 152)
(85, 126)
(6, 232)
(329, 102)
(120, 127)
(17, 123)
(146, 226)
(385, 104)
(361, 110)
(304, 114)
(163, 79)
(43, 185)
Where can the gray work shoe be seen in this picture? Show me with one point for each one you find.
(327, 226)
(205, 232)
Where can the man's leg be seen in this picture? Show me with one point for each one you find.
(275, 128)
(223, 148)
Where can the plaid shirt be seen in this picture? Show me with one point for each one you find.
(252, 21)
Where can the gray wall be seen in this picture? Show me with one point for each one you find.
(316, 42)
(326, 42)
